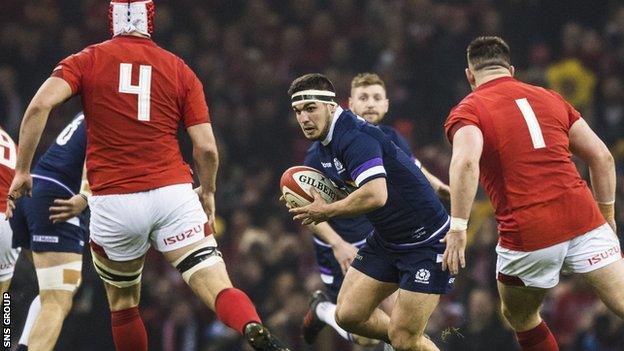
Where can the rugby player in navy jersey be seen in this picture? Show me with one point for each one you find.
(50, 226)
(337, 241)
(404, 251)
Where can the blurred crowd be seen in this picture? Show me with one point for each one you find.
(246, 52)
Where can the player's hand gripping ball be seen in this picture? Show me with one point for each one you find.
(297, 181)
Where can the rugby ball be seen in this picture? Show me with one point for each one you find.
(297, 181)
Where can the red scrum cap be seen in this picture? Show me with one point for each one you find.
(125, 16)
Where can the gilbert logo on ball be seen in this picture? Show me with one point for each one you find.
(297, 181)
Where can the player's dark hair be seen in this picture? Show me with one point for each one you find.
(314, 81)
(488, 51)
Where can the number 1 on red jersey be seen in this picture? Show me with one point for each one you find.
(534, 128)
(142, 90)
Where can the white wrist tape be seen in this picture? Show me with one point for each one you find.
(459, 223)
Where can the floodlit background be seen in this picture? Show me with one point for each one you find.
(246, 53)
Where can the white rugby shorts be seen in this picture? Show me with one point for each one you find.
(541, 268)
(124, 225)
(8, 255)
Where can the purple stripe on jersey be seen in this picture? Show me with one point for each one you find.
(366, 165)
(325, 270)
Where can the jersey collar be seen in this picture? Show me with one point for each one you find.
(329, 136)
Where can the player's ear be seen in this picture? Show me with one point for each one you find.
(470, 77)
(512, 70)
(350, 103)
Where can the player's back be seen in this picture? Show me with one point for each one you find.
(8, 157)
(63, 161)
(526, 165)
(134, 95)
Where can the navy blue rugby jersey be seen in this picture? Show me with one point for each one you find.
(62, 163)
(352, 230)
(399, 141)
(355, 152)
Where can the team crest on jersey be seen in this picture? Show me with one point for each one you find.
(422, 276)
(339, 166)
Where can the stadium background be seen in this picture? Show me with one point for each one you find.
(246, 53)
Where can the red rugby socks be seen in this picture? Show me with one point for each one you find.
(537, 339)
(128, 330)
(235, 309)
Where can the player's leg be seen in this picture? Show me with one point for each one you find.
(188, 244)
(597, 257)
(204, 270)
(523, 281)
(322, 310)
(119, 228)
(8, 255)
(409, 319)
(122, 282)
(33, 312)
(58, 275)
(609, 285)
(422, 281)
(356, 310)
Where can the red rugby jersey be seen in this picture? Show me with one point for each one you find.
(134, 94)
(8, 153)
(526, 167)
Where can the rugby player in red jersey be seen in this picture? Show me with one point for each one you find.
(8, 255)
(134, 94)
(518, 139)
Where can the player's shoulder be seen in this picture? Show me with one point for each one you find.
(468, 103)
(388, 129)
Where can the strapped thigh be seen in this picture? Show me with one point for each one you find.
(115, 277)
(204, 255)
(62, 277)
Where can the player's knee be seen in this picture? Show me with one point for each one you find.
(520, 319)
(348, 317)
(404, 340)
(56, 302)
(123, 298)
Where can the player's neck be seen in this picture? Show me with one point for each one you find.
(136, 34)
(485, 77)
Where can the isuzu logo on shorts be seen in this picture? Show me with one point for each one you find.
(422, 276)
(183, 236)
(603, 255)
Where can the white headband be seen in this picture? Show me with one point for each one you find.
(312, 95)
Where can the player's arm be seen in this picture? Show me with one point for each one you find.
(368, 197)
(206, 159)
(585, 144)
(51, 93)
(464, 178)
(343, 251)
(64, 209)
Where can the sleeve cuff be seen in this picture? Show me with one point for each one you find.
(369, 174)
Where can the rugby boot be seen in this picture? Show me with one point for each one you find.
(261, 339)
(312, 325)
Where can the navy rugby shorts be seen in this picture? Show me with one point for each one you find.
(33, 230)
(416, 269)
